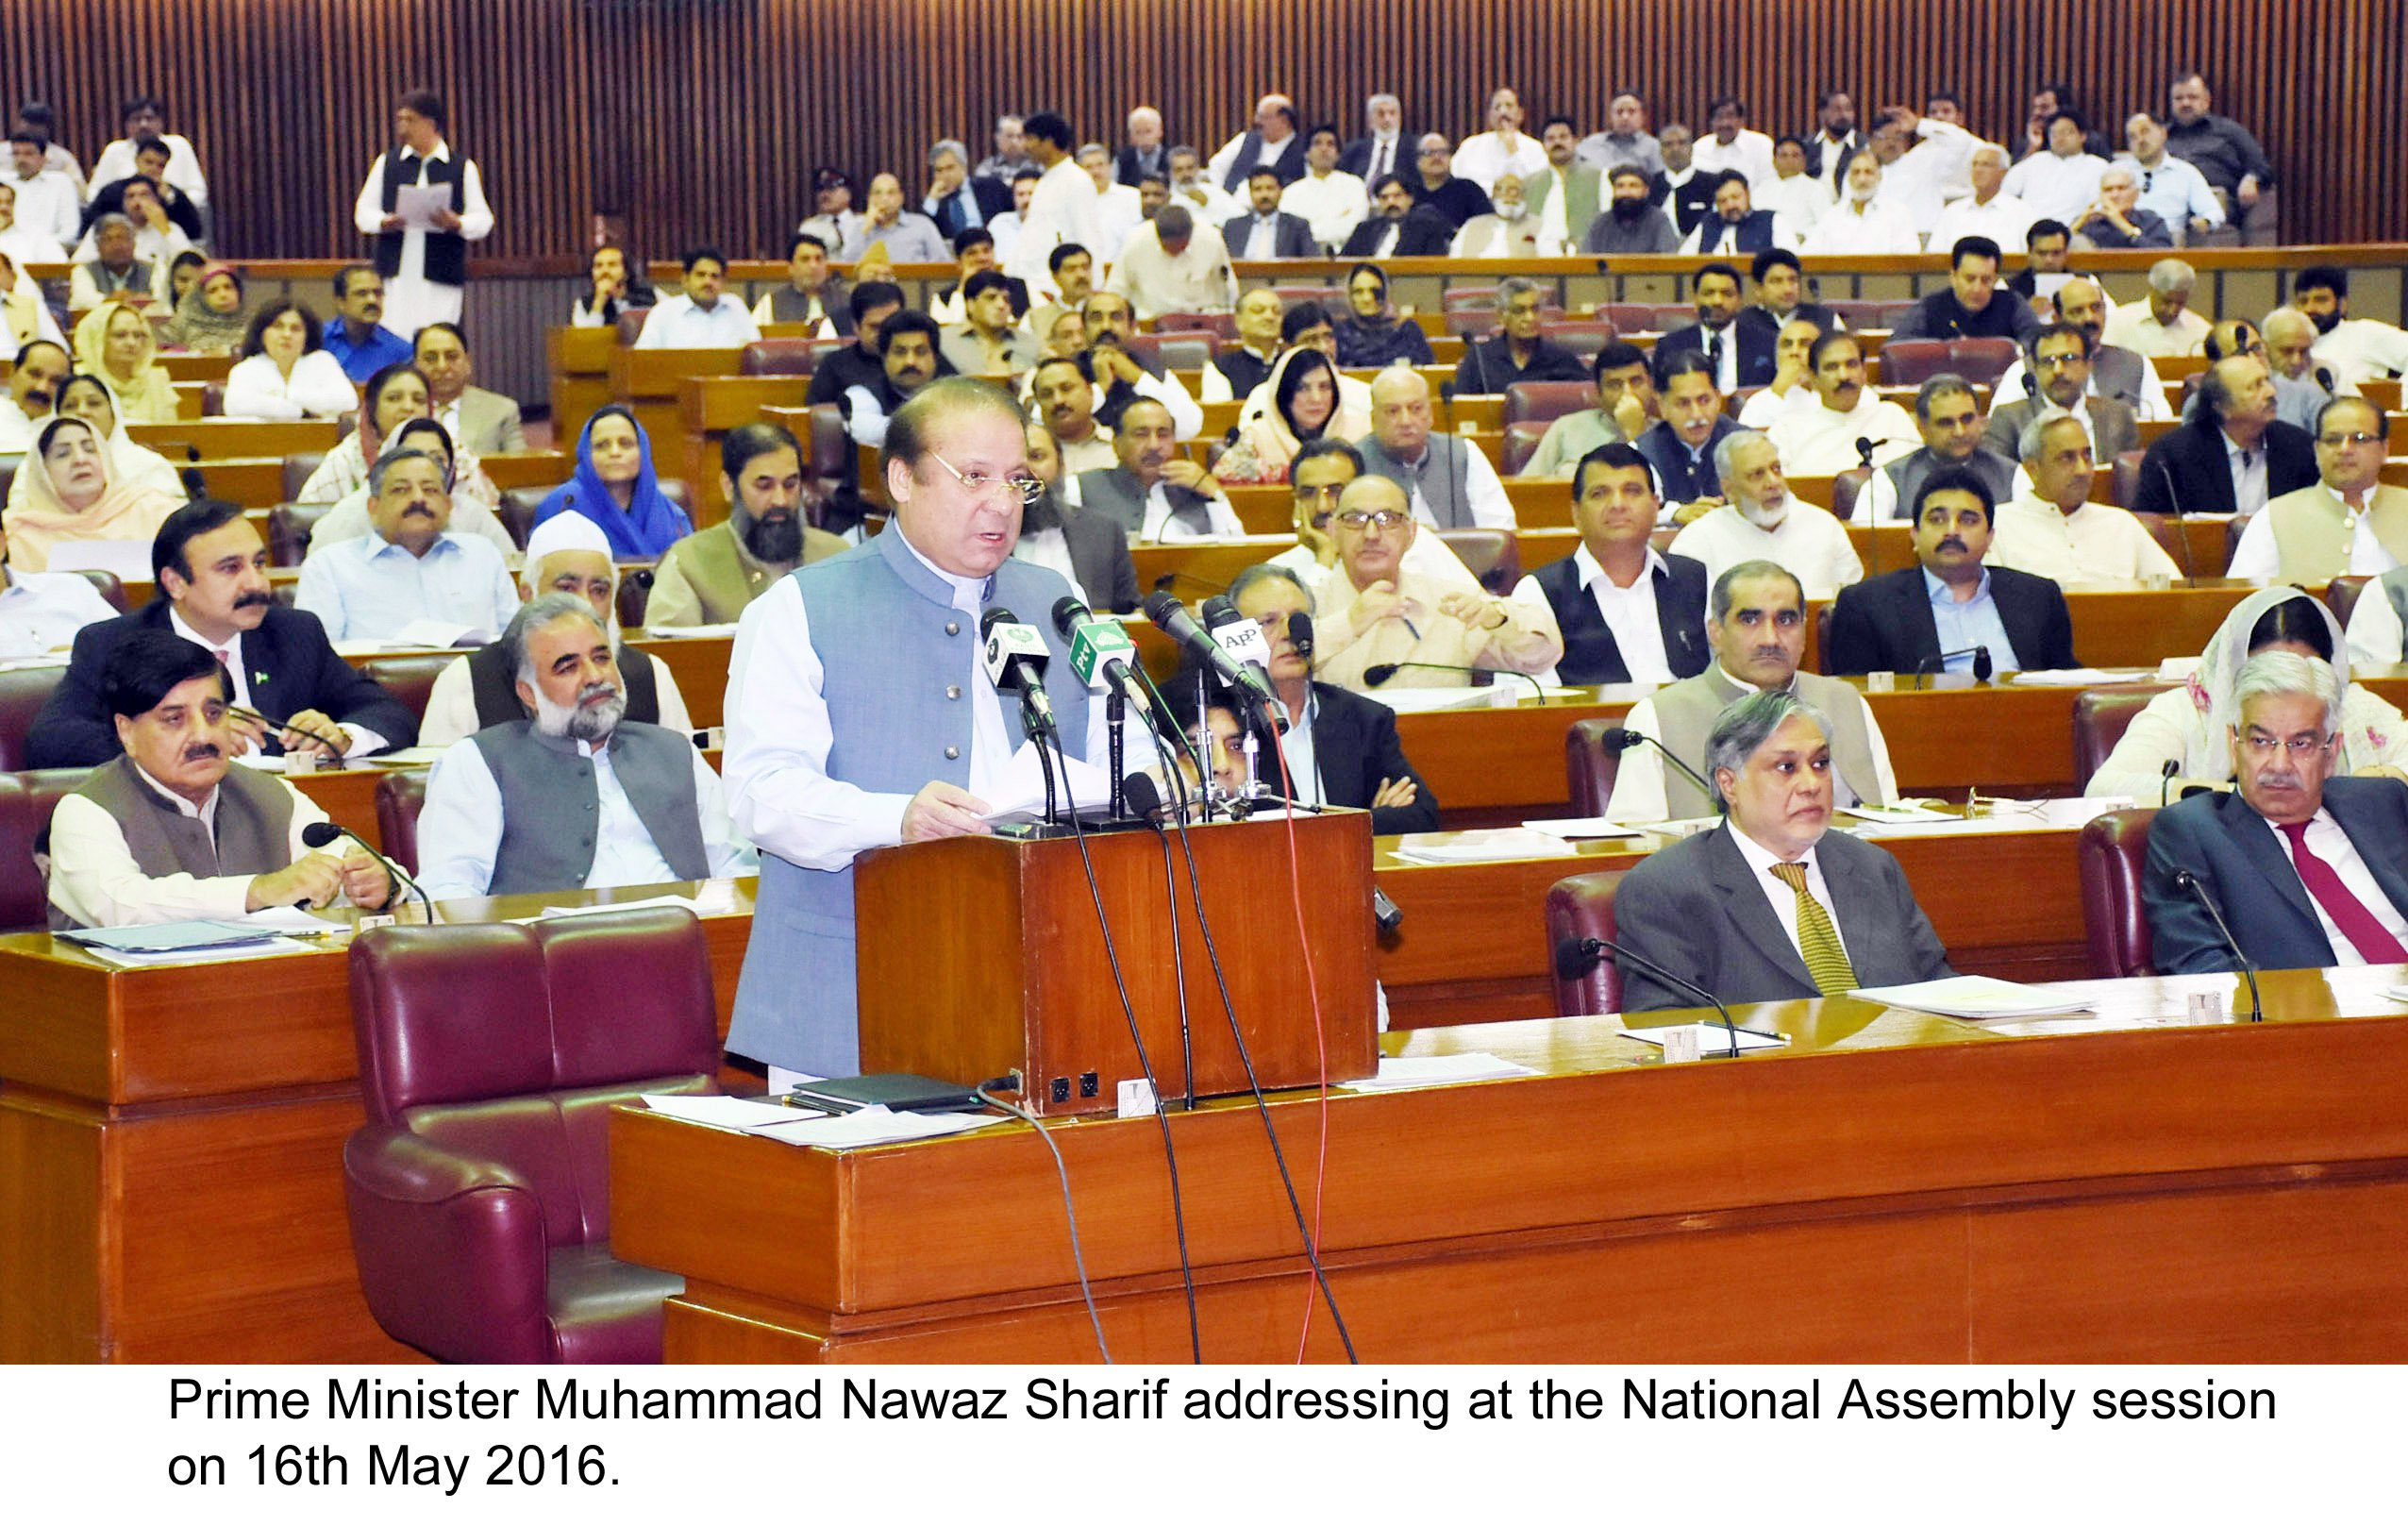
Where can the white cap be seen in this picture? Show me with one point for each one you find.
(567, 530)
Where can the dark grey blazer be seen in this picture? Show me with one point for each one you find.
(1695, 908)
(2229, 847)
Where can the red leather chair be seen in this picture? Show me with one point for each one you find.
(1582, 907)
(2113, 853)
(490, 1058)
(1188, 351)
(1822, 639)
(1219, 324)
(107, 585)
(2234, 529)
(290, 528)
(1584, 337)
(635, 596)
(1588, 767)
(1672, 315)
(2341, 594)
(2101, 717)
(1474, 324)
(400, 795)
(1521, 443)
(1889, 314)
(298, 468)
(411, 679)
(1911, 362)
(27, 801)
(2167, 532)
(1469, 297)
(1494, 556)
(1845, 487)
(632, 325)
(1628, 317)
(1981, 361)
(22, 692)
(1542, 402)
(783, 357)
(827, 463)
(1858, 313)
(213, 399)
(1293, 295)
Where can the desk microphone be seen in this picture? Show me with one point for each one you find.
(2182, 536)
(2166, 779)
(1015, 659)
(324, 834)
(1174, 621)
(1576, 957)
(1621, 738)
(2188, 884)
(1982, 665)
(1379, 673)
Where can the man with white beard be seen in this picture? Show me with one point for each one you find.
(1762, 522)
(577, 797)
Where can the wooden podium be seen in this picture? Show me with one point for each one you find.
(980, 956)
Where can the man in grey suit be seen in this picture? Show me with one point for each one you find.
(2306, 868)
(1771, 906)
(2061, 357)
(484, 422)
(1577, 184)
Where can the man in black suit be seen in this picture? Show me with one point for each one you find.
(2306, 868)
(1387, 148)
(1617, 589)
(1274, 127)
(1433, 183)
(957, 199)
(1269, 233)
(1970, 307)
(212, 570)
(1145, 153)
(1742, 356)
(1397, 227)
(1781, 291)
(1353, 753)
(1891, 622)
(2234, 456)
(1518, 353)
(1772, 905)
(1096, 547)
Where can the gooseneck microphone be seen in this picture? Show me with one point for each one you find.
(325, 834)
(1379, 673)
(1621, 739)
(1175, 577)
(2182, 535)
(2188, 884)
(1015, 659)
(1576, 957)
(1242, 639)
(1983, 667)
(2166, 779)
(1174, 621)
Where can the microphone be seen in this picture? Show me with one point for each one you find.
(1101, 653)
(1982, 664)
(1175, 577)
(2182, 536)
(1015, 662)
(2166, 779)
(1300, 635)
(1174, 622)
(1621, 738)
(1242, 639)
(1576, 957)
(2324, 378)
(1379, 673)
(280, 726)
(324, 834)
(1865, 448)
(2189, 884)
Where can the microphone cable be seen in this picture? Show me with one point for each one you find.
(1069, 1209)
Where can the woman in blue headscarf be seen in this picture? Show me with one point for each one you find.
(616, 488)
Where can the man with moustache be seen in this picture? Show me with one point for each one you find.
(358, 337)
(1931, 616)
(1091, 550)
(1819, 439)
(909, 359)
(1761, 520)
(1949, 418)
(33, 391)
(409, 568)
(2115, 372)
(1628, 613)
(168, 830)
(1062, 388)
(711, 576)
(212, 570)
(576, 796)
(1631, 221)
(1154, 492)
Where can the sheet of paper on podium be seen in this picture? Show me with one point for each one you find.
(1973, 997)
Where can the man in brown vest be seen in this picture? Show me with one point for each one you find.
(170, 830)
(709, 578)
(2346, 521)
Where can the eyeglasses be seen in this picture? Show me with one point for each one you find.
(2359, 438)
(2261, 746)
(979, 484)
(1362, 519)
(2059, 362)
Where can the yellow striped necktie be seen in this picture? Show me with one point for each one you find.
(1817, 940)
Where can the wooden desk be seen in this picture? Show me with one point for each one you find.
(708, 407)
(648, 382)
(530, 468)
(232, 439)
(1573, 1216)
(578, 360)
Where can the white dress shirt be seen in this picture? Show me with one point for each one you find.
(94, 880)
(25, 244)
(255, 389)
(2361, 349)
(1483, 492)
(1921, 180)
(363, 741)
(1809, 541)
(48, 202)
(1880, 226)
(676, 324)
(1821, 442)
(1334, 204)
(2094, 544)
(1064, 210)
(2175, 191)
(1638, 786)
(369, 588)
(1158, 526)
(41, 612)
(2153, 404)
(1487, 157)
(412, 301)
(1765, 407)
(116, 162)
(1629, 613)
(1713, 236)
(460, 830)
(451, 704)
(778, 735)
(2247, 465)
(151, 247)
(2375, 636)
(2004, 220)
(1800, 200)
(1196, 279)
(1777, 892)
(1751, 152)
(2135, 327)
(2258, 557)
(2057, 187)
(2327, 840)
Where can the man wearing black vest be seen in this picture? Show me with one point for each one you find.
(580, 796)
(1628, 613)
(422, 252)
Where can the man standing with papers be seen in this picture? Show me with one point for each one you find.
(170, 830)
(859, 716)
(424, 204)
(1771, 906)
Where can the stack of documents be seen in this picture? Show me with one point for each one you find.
(1713, 1038)
(1423, 701)
(1485, 847)
(797, 1126)
(194, 943)
(2079, 678)
(1396, 1075)
(1569, 828)
(1974, 998)
(691, 632)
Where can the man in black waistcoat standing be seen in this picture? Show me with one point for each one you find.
(422, 249)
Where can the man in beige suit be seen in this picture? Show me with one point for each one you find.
(2346, 521)
(482, 422)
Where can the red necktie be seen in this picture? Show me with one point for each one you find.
(2348, 913)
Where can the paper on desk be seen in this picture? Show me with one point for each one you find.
(287, 920)
(2078, 678)
(1484, 846)
(1019, 793)
(409, 758)
(1895, 813)
(158, 937)
(1397, 1074)
(878, 1126)
(1570, 826)
(1974, 998)
(264, 948)
(690, 633)
(745, 1113)
(12, 664)
(278, 763)
(596, 908)
(1713, 1038)
(1424, 701)
(129, 559)
(416, 206)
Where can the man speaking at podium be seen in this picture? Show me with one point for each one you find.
(859, 715)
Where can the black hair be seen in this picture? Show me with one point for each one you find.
(424, 425)
(1078, 362)
(746, 441)
(2298, 619)
(906, 322)
(969, 238)
(1613, 456)
(152, 144)
(140, 103)
(1062, 254)
(1716, 268)
(1569, 126)
(342, 278)
(384, 374)
(1957, 480)
(1292, 376)
(1298, 319)
(1793, 140)
(451, 329)
(1767, 260)
(801, 239)
(1973, 244)
(2047, 227)
(2321, 279)
(1830, 337)
(1668, 365)
(871, 296)
(426, 104)
(254, 337)
(32, 344)
(1615, 354)
(1324, 445)
(196, 518)
(1051, 127)
(984, 281)
(701, 252)
(148, 664)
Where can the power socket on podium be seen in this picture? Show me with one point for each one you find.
(1136, 1098)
